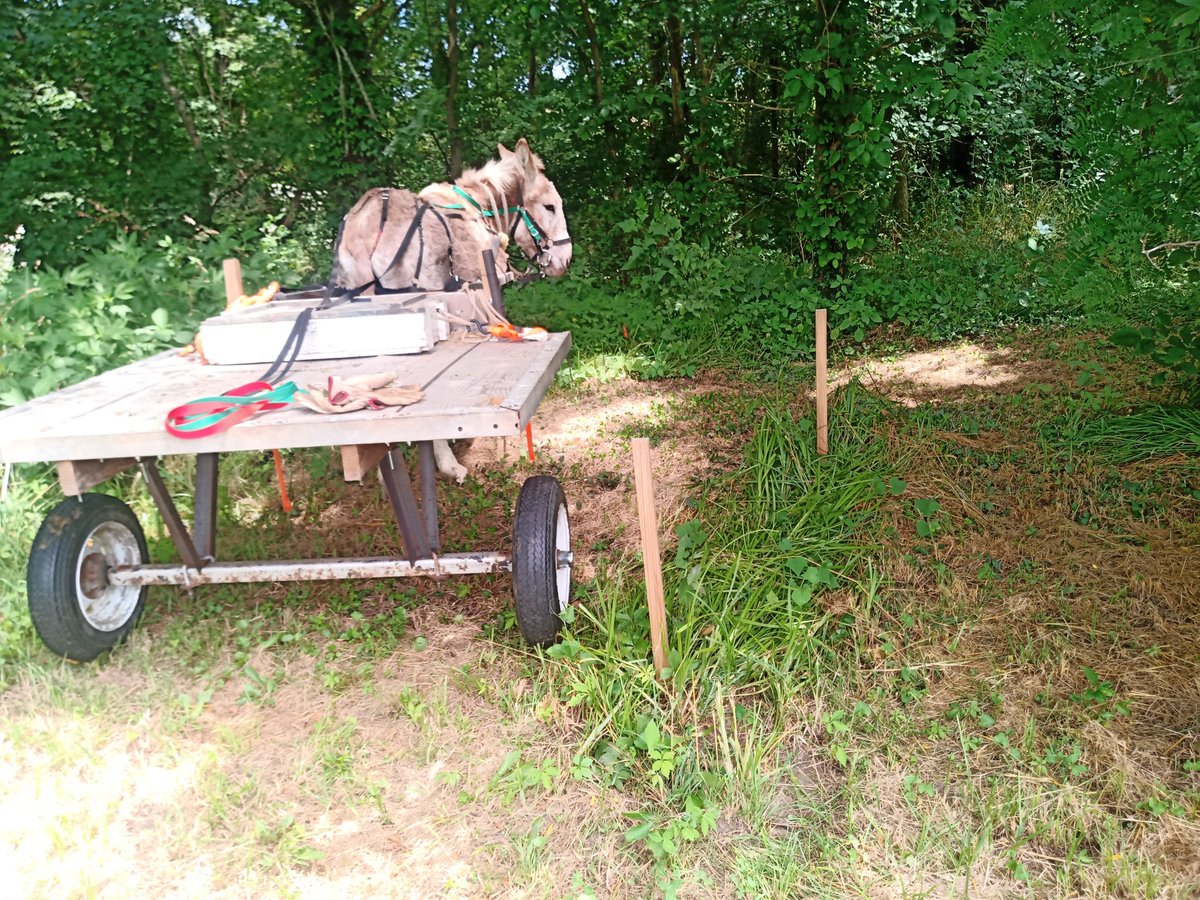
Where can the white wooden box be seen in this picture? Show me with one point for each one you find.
(368, 327)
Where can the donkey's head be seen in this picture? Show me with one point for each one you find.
(548, 240)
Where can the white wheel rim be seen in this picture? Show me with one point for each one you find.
(106, 607)
(562, 556)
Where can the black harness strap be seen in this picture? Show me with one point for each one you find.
(453, 283)
(295, 340)
(383, 195)
(413, 228)
(331, 296)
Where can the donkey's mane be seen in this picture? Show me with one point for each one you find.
(503, 175)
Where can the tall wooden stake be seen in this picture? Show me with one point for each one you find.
(233, 282)
(643, 481)
(822, 387)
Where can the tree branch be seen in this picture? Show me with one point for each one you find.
(185, 114)
(1167, 248)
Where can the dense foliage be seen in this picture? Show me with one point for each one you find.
(728, 167)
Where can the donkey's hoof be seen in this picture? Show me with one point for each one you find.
(457, 473)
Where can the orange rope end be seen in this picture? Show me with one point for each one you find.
(283, 494)
(529, 440)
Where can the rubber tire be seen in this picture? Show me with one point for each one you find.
(534, 571)
(50, 577)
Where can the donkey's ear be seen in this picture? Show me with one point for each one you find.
(525, 157)
(504, 152)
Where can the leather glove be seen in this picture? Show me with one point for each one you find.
(374, 391)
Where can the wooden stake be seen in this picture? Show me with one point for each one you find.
(233, 282)
(822, 387)
(643, 480)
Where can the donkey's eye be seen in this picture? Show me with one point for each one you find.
(551, 208)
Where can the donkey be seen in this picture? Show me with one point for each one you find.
(393, 239)
(509, 197)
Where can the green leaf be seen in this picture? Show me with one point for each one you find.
(927, 506)
(651, 736)
(1126, 337)
(638, 832)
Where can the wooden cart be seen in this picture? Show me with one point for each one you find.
(89, 568)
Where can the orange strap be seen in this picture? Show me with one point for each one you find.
(283, 493)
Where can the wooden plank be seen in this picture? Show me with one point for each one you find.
(79, 476)
(461, 403)
(822, 386)
(89, 395)
(349, 330)
(529, 390)
(233, 281)
(422, 369)
(359, 459)
(143, 410)
(496, 374)
(304, 430)
(643, 481)
(136, 408)
(179, 378)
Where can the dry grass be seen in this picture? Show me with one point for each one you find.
(1047, 570)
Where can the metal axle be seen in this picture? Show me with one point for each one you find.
(311, 569)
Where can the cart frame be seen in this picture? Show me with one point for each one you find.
(473, 390)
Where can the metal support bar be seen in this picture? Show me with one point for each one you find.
(166, 506)
(312, 570)
(428, 474)
(491, 282)
(394, 471)
(204, 518)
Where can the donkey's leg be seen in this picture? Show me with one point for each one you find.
(446, 463)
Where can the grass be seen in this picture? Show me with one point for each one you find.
(1160, 431)
(955, 657)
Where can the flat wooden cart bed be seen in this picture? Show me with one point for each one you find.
(89, 568)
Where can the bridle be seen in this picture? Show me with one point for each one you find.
(540, 240)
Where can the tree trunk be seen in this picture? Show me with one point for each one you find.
(336, 44)
(675, 65)
(452, 54)
(900, 195)
(597, 73)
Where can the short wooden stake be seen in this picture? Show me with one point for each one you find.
(233, 282)
(822, 386)
(643, 481)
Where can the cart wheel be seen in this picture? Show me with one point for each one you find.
(76, 612)
(541, 559)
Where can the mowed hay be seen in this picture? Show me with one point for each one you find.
(1078, 610)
